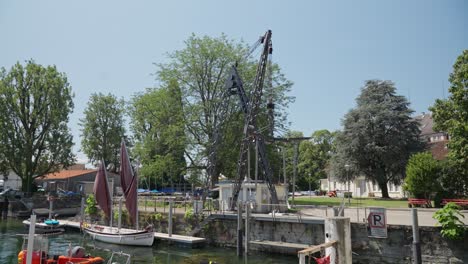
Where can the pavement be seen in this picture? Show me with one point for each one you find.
(395, 216)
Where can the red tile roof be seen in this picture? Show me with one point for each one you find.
(65, 174)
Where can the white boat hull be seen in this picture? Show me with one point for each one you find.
(123, 237)
(42, 228)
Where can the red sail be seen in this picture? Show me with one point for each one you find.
(129, 183)
(101, 190)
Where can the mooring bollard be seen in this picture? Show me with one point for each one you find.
(339, 229)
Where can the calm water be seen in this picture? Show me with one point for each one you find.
(10, 245)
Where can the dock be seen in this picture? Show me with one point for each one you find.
(180, 239)
(279, 244)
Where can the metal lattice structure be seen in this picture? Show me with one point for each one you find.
(250, 131)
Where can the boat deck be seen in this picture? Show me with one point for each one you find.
(187, 240)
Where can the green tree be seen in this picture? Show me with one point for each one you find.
(35, 102)
(451, 115)
(378, 136)
(314, 157)
(201, 69)
(157, 122)
(422, 176)
(103, 128)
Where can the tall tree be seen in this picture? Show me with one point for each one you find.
(35, 103)
(103, 128)
(451, 115)
(314, 156)
(201, 69)
(157, 122)
(378, 136)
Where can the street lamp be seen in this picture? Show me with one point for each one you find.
(310, 194)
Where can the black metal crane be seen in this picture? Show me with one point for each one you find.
(250, 131)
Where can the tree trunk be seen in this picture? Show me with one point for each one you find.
(384, 188)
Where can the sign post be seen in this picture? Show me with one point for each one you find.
(377, 222)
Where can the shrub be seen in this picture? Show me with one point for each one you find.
(189, 215)
(422, 175)
(91, 205)
(448, 217)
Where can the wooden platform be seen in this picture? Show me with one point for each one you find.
(189, 240)
(279, 244)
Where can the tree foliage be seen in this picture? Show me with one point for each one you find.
(35, 102)
(378, 136)
(423, 174)
(451, 115)
(200, 69)
(449, 218)
(103, 128)
(159, 130)
(314, 157)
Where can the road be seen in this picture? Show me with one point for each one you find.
(395, 216)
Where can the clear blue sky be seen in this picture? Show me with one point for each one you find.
(327, 48)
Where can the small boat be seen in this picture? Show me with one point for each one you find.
(128, 181)
(46, 226)
(121, 237)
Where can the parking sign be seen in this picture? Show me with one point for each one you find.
(377, 222)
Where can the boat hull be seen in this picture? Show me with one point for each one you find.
(125, 237)
(42, 228)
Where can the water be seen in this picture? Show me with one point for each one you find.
(10, 245)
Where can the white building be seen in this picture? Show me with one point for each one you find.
(257, 193)
(361, 188)
(11, 181)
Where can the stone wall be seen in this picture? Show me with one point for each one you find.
(397, 247)
(223, 233)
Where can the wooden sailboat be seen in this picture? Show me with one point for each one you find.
(129, 183)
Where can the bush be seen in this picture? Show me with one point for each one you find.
(422, 176)
(91, 205)
(189, 215)
(448, 217)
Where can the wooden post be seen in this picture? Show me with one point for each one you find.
(247, 229)
(416, 244)
(119, 225)
(339, 229)
(51, 206)
(32, 228)
(239, 228)
(82, 210)
(169, 231)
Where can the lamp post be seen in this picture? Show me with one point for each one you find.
(310, 194)
(348, 180)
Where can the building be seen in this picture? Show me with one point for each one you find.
(436, 144)
(256, 193)
(11, 180)
(75, 179)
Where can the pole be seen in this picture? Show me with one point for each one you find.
(256, 164)
(239, 228)
(120, 214)
(284, 169)
(51, 206)
(82, 209)
(32, 227)
(247, 216)
(169, 231)
(296, 146)
(111, 193)
(416, 243)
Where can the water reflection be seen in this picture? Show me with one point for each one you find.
(160, 253)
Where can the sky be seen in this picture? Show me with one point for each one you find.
(327, 48)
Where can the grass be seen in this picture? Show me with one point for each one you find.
(334, 201)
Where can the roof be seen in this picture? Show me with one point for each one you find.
(65, 174)
(439, 149)
(426, 124)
